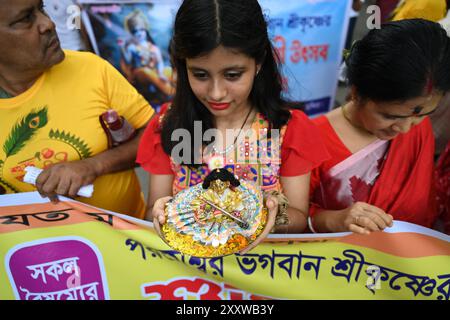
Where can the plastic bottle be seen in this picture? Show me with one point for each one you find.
(119, 130)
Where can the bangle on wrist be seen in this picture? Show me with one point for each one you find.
(310, 225)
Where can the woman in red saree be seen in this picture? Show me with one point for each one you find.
(381, 142)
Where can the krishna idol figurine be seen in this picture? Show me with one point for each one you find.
(220, 217)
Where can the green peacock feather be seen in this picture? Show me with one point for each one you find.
(20, 134)
(6, 184)
(24, 130)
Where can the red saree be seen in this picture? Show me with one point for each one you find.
(442, 176)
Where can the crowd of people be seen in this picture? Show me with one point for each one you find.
(356, 168)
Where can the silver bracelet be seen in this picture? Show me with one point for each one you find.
(310, 225)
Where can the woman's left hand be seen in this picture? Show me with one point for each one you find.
(158, 214)
(272, 206)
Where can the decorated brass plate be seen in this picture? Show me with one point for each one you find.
(219, 220)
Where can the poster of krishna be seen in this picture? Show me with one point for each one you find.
(134, 37)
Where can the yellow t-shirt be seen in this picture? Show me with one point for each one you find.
(57, 120)
(433, 10)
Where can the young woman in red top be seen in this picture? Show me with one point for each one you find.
(228, 78)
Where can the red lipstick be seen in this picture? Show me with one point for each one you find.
(219, 106)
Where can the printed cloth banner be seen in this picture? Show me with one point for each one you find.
(74, 251)
(309, 36)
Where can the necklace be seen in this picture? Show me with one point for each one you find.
(344, 113)
(231, 146)
(361, 128)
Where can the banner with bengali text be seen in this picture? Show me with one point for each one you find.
(71, 251)
(309, 36)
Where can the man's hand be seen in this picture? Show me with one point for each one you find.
(67, 178)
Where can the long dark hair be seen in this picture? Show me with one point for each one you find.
(400, 61)
(200, 27)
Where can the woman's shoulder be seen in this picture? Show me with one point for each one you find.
(327, 119)
(302, 147)
(299, 118)
(297, 113)
(300, 125)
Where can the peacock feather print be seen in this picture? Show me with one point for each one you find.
(78, 144)
(4, 184)
(21, 133)
(24, 130)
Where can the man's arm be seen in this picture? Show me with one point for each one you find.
(67, 178)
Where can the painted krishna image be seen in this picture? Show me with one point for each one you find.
(135, 39)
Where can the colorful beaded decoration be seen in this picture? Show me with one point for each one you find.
(218, 218)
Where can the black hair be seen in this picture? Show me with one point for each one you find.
(223, 175)
(400, 61)
(200, 27)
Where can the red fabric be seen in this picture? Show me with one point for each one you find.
(405, 185)
(337, 150)
(151, 155)
(386, 8)
(442, 175)
(302, 149)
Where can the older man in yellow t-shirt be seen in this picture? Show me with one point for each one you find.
(50, 103)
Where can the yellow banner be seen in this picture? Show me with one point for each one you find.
(74, 251)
